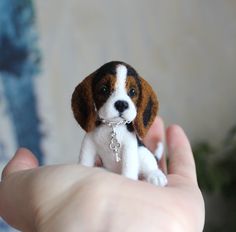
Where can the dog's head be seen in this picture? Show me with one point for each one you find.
(114, 92)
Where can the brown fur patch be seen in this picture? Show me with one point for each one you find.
(82, 104)
(147, 109)
(131, 84)
(99, 96)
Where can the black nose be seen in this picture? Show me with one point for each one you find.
(121, 106)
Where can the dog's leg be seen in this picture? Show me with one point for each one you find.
(159, 150)
(149, 168)
(87, 156)
(130, 160)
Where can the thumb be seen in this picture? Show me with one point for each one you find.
(22, 160)
(180, 154)
(15, 208)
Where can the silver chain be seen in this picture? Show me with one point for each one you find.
(114, 143)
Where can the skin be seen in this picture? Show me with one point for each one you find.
(75, 198)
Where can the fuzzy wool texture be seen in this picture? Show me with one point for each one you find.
(100, 97)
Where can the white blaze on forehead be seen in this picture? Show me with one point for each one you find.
(108, 110)
(121, 74)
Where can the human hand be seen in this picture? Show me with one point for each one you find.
(75, 198)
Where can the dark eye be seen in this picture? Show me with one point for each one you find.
(132, 92)
(104, 90)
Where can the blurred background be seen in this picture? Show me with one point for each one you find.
(185, 49)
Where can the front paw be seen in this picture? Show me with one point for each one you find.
(157, 178)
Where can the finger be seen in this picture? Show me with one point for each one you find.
(98, 162)
(155, 135)
(181, 161)
(22, 160)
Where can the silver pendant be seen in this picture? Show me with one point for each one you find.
(114, 143)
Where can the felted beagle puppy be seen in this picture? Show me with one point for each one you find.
(116, 107)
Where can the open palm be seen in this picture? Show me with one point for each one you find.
(75, 198)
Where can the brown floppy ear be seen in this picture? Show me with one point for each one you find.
(83, 105)
(147, 108)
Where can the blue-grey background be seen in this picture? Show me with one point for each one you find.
(19, 66)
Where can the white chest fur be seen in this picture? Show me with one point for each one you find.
(102, 138)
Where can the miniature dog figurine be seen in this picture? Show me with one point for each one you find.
(116, 107)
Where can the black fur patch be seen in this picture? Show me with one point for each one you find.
(110, 68)
(98, 123)
(131, 71)
(147, 112)
(130, 127)
(140, 142)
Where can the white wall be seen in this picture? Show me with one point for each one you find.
(185, 49)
